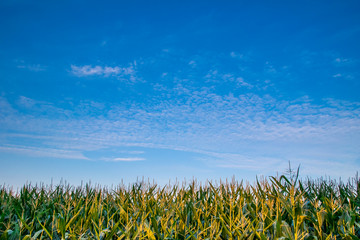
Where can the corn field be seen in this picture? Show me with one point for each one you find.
(273, 208)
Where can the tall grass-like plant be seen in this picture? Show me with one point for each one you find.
(281, 207)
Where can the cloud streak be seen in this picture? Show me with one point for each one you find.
(133, 159)
(43, 152)
(105, 71)
(33, 67)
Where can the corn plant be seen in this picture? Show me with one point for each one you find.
(275, 208)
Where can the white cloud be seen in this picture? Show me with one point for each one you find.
(129, 159)
(242, 82)
(86, 70)
(43, 152)
(132, 152)
(106, 71)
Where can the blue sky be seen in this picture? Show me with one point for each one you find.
(121, 90)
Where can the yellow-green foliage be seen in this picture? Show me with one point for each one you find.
(277, 208)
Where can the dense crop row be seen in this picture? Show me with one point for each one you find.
(278, 208)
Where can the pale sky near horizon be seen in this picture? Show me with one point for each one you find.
(105, 91)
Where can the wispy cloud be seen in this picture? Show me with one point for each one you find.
(192, 63)
(26, 102)
(236, 55)
(129, 159)
(43, 152)
(341, 60)
(217, 77)
(86, 70)
(241, 56)
(33, 67)
(105, 71)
